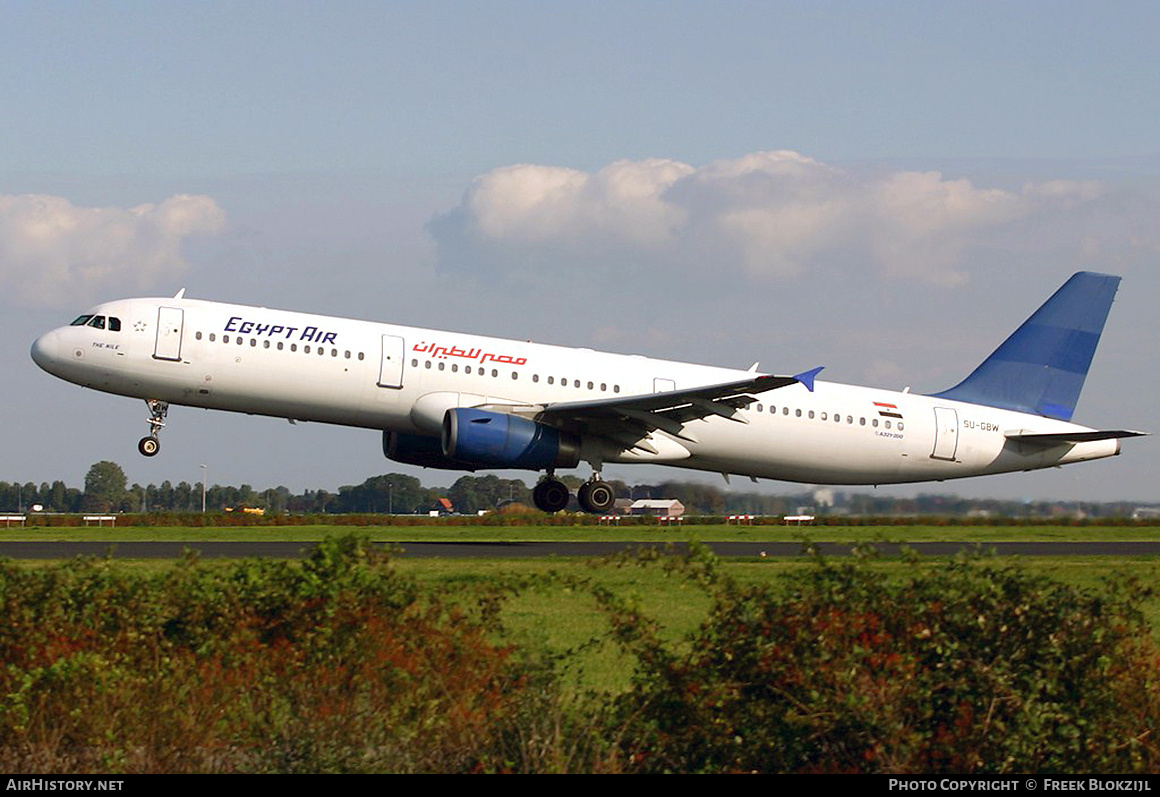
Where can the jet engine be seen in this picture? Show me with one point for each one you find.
(498, 440)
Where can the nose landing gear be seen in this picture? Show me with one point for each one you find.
(150, 444)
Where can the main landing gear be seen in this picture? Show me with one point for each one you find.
(595, 496)
(551, 495)
(150, 445)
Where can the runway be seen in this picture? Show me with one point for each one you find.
(132, 549)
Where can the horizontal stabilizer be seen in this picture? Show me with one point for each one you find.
(1062, 438)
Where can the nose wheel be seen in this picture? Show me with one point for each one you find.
(150, 444)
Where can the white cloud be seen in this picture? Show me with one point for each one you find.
(765, 216)
(53, 253)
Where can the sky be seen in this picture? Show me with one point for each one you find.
(884, 188)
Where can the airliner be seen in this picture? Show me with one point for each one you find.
(466, 402)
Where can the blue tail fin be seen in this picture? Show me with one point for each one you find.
(1041, 368)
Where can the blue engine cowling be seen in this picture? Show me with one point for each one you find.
(414, 449)
(497, 440)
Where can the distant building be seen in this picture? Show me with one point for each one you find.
(665, 507)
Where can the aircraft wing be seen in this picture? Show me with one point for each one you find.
(628, 420)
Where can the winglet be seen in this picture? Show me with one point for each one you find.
(807, 377)
(180, 294)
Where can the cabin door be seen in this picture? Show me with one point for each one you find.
(391, 367)
(170, 321)
(946, 433)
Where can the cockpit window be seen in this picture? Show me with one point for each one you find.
(81, 321)
(97, 321)
(114, 324)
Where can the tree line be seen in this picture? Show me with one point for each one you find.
(106, 489)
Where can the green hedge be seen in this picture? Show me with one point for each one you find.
(961, 667)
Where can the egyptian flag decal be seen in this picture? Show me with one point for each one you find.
(888, 410)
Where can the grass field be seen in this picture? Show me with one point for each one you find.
(722, 533)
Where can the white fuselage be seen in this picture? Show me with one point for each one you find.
(387, 377)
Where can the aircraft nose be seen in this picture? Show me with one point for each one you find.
(46, 350)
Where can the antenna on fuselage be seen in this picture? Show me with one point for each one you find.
(180, 294)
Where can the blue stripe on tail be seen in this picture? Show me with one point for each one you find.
(1041, 368)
